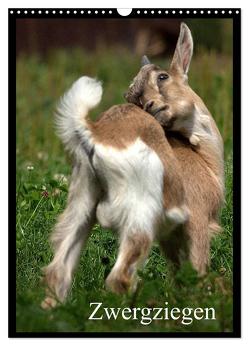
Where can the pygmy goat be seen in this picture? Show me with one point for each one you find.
(133, 177)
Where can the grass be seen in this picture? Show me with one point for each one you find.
(42, 191)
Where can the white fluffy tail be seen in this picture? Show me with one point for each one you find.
(71, 113)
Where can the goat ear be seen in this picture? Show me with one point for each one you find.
(145, 60)
(183, 52)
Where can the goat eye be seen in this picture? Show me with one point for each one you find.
(162, 76)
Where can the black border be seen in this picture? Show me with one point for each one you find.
(236, 16)
(237, 175)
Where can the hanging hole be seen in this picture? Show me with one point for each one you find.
(124, 11)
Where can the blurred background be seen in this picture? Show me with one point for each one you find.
(51, 55)
(152, 36)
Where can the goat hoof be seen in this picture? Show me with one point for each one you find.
(118, 285)
(48, 303)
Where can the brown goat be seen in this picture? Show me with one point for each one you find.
(132, 178)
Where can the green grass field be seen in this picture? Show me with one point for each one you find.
(42, 191)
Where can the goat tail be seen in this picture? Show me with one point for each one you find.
(73, 126)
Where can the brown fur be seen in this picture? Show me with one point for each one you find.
(133, 251)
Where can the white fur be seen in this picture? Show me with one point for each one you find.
(177, 215)
(202, 125)
(73, 227)
(72, 110)
(134, 180)
(198, 127)
(194, 140)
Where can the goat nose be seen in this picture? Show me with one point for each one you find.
(148, 105)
